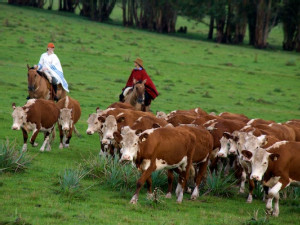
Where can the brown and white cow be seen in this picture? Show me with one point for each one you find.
(278, 166)
(36, 115)
(70, 113)
(156, 149)
(234, 116)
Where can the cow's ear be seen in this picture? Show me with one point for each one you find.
(247, 154)
(13, 105)
(156, 125)
(101, 119)
(138, 131)
(121, 119)
(265, 141)
(227, 135)
(274, 156)
(117, 137)
(98, 110)
(143, 137)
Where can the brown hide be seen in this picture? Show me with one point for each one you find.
(178, 119)
(121, 105)
(296, 127)
(287, 164)
(234, 116)
(148, 122)
(256, 122)
(43, 112)
(277, 130)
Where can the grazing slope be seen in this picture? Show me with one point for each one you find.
(97, 60)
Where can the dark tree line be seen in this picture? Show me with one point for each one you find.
(228, 19)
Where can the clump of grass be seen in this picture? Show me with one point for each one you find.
(257, 221)
(167, 88)
(21, 40)
(261, 100)
(220, 185)
(90, 88)
(206, 95)
(256, 58)
(291, 62)
(127, 58)
(191, 91)
(119, 80)
(156, 198)
(258, 191)
(277, 90)
(12, 159)
(239, 103)
(70, 181)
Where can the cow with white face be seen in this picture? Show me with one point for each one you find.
(277, 166)
(36, 115)
(70, 113)
(109, 126)
(156, 149)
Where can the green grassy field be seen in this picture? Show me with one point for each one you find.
(97, 60)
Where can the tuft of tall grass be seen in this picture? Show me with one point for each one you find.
(12, 159)
(70, 181)
(220, 185)
(257, 221)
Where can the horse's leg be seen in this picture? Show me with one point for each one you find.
(25, 137)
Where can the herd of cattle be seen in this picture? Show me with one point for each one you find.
(183, 141)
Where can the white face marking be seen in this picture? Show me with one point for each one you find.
(19, 118)
(225, 145)
(259, 163)
(65, 119)
(108, 129)
(94, 125)
(129, 144)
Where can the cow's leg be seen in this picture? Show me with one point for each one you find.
(251, 188)
(61, 136)
(198, 179)
(69, 137)
(25, 137)
(274, 191)
(145, 175)
(149, 187)
(170, 183)
(46, 140)
(184, 176)
(48, 144)
(34, 135)
(243, 180)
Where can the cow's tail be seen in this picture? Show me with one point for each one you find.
(77, 132)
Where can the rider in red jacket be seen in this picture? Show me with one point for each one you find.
(140, 74)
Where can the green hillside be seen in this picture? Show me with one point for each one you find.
(97, 60)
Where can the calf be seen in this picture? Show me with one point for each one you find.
(70, 113)
(37, 115)
(278, 166)
(156, 149)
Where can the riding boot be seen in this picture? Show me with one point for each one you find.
(55, 92)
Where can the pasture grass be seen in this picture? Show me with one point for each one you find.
(97, 60)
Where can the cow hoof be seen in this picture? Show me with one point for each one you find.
(61, 146)
(275, 214)
(194, 197)
(35, 144)
(42, 150)
(269, 211)
(133, 201)
(189, 190)
(48, 149)
(168, 195)
(149, 195)
(66, 146)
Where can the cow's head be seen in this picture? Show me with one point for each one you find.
(108, 128)
(93, 124)
(19, 117)
(129, 144)
(65, 119)
(225, 146)
(251, 142)
(259, 161)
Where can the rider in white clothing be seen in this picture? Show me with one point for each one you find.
(50, 65)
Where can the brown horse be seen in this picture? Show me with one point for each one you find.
(136, 96)
(40, 88)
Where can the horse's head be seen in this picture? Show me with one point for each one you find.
(139, 88)
(32, 76)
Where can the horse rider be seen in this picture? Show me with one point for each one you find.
(140, 74)
(50, 65)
